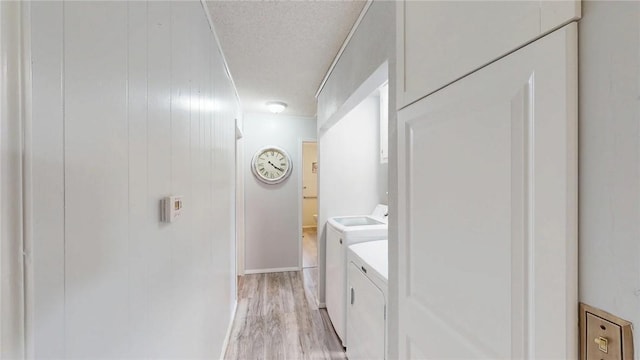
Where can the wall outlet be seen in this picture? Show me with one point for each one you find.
(171, 208)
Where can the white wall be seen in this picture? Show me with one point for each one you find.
(272, 230)
(610, 158)
(131, 102)
(350, 160)
(11, 234)
(372, 44)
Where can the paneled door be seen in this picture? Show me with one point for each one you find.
(487, 211)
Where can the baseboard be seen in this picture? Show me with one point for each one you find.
(309, 227)
(322, 305)
(227, 337)
(266, 271)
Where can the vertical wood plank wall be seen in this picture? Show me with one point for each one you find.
(11, 169)
(131, 102)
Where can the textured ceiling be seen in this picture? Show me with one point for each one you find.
(281, 50)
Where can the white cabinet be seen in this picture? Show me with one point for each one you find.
(336, 281)
(366, 317)
(487, 212)
(441, 41)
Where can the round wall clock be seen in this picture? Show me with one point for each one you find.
(271, 165)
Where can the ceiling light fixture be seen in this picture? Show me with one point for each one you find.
(276, 107)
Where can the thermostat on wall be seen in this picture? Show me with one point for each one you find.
(171, 208)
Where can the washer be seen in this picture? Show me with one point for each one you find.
(342, 232)
(367, 280)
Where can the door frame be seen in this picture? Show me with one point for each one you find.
(301, 142)
(239, 198)
(15, 160)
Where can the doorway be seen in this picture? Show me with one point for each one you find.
(309, 215)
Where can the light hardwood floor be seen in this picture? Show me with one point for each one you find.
(309, 248)
(278, 318)
(311, 282)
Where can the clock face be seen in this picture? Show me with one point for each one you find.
(271, 165)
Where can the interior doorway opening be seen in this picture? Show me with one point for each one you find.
(309, 215)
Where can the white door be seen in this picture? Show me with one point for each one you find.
(366, 319)
(487, 211)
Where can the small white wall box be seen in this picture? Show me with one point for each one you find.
(171, 208)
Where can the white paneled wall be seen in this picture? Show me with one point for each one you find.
(131, 102)
(11, 142)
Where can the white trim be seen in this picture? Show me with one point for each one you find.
(224, 58)
(240, 206)
(344, 46)
(322, 305)
(12, 113)
(239, 133)
(300, 200)
(267, 271)
(227, 337)
(27, 177)
(377, 78)
(3, 45)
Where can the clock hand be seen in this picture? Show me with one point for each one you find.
(277, 168)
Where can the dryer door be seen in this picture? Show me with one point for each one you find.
(366, 317)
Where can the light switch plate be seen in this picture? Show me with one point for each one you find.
(171, 208)
(604, 336)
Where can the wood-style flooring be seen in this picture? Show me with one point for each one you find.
(277, 318)
(311, 281)
(309, 248)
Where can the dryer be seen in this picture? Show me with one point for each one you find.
(367, 281)
(342, 232)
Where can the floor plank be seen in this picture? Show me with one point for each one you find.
(309, 248)
(277, 318)
(310, 278)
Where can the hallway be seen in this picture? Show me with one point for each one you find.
(195, 179)
(277, 318)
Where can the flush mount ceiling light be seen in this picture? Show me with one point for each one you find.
(276, 107)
